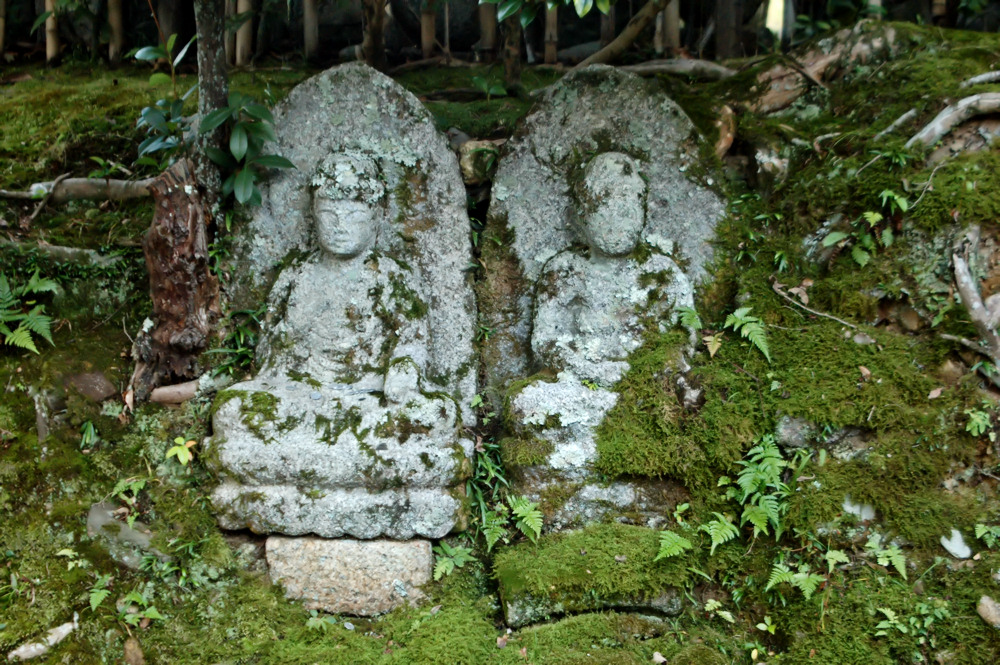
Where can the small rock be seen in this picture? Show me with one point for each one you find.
(989, 610)
(793, 432)
(909, 319)
(863, 511)
(862, 339)
(345, 576)
(956, 545)
(348, 625)
(951, 371)
(126, 544)
(93, 385)
(478, 161)
(133, 652)
(52, 638)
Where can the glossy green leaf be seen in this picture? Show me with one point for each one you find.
(243, 185)
(260, 112)
(220, 157)
(180, 56)
(39, 21)
(150, 53)
(583, 7)
(159, 78)
(508, 8)
(214, 120)
(528, 13)
(273, 162)
(238, 143)
(603, 6)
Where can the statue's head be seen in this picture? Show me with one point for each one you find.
(346, 199)
(612, 203)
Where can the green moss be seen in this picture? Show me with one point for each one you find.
(579, 569)
(524, 451)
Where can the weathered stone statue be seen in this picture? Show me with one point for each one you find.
(353, 428)
(596, 235)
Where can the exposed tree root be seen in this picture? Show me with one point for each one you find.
(954, 115)
(988, 77)
(64, 189)
(906, 117)
(643, 18)
(985, 316)
(703, 70)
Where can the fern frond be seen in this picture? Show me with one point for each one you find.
(755, 333)
(780, 574)
(442, 567)
(689, 318)
(757, 516)
(833, 557)
(807, 582)
(97, 597)
(40, 285)
(527, 517)
(21, 338)
(39, 323)
(893, 555)
(672, 544)
(720, 530)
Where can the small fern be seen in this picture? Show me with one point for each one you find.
(802, 579)
(449, 558)
(720, 530)
(672, 544)
(18, 324)
(494, 527)
(689, 318)
(527, 517)
(750, 328)
(886, 556)
(988, 534)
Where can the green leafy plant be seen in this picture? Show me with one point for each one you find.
(127, 491)
(980, 421)
(759, 488)
(21, 317)
(135, 608)
(182, 450)
(527, 517)
(672, 544)
(867, 234)
(720, 530)
(889, 623)
(989, 534)
(802, 578)
(323, 622)
(240, 345)
(689, 318)
(250, 125)
(886, 555)
(165, 122)
(88, 436)
(489, 87)
(750, 328)
(448, 558)
(99, 591)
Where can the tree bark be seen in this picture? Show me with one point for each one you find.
(185, 294)
(310, 29)
(117, 26)
(373, 42)
(427, 28)
(244, 36)
(488, 30)
(728, 23)
(3, 25)
(213, 92)
(51, 33)
(551, 36)
(511, 32)
(608, 26)
(632, 29)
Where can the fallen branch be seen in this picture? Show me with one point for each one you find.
(906, 117)
(781, 292)
(64, 189)
(988, 77)
(45, 201)
(927, 185)
(175, 394)
(632, 29)
(954, 115)
(438, 60)
(699, 69)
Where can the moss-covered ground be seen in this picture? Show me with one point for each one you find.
(886, 382)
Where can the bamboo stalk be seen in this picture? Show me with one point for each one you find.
(244, 36)
(117, 26)
(488, 29)
(551, 35)
(310, 27)
(51, 32)
(427, 28)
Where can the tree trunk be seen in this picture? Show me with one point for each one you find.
(230, 37)
(213, 92)
(373, 43)
(427, 28)
(608, 26)
(672, 25)
(728, 24)
(244, 36)
(632, 29)
(117, 26)
(511, 32)
(310, 29)
(551, 35)
(51, 33)
(185, 294)
(3, 24)
(166, 15)
(488, 30)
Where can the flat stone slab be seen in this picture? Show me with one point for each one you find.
(362, 578)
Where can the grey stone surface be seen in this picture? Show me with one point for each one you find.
(362, 578)
(354, 425)
(126, 544)
(93, 385)
(597, 203)
(526, 609)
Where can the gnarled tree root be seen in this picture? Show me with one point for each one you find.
(954, 115)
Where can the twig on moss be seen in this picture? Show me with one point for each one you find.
(906, 117)
(927, 185)
(45, 201)
(988, 77)
(781, 292)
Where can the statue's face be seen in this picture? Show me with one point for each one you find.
(613, 203)
(344, 227)
(345, 204)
